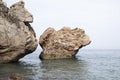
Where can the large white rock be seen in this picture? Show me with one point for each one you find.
(17, 37)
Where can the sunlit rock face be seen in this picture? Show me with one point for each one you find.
(64, 43)
(17, 37)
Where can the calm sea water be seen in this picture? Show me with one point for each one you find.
(88, 65)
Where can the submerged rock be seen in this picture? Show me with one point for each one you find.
(15, 76)
(17, 37)
(64, 43)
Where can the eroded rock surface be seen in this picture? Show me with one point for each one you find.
(17, 37)
(63, 43)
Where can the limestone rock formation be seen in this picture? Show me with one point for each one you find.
(17, 37)
(63, 43)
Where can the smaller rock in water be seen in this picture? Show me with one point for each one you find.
(64, 43)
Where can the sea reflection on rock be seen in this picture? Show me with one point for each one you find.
(66, 69)
(6, 70)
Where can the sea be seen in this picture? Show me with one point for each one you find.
(89, 64)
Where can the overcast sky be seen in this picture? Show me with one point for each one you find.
(99, 18)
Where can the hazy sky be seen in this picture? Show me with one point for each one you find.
(99, 18)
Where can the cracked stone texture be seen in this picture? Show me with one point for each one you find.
(17, 37)
(63, 43)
